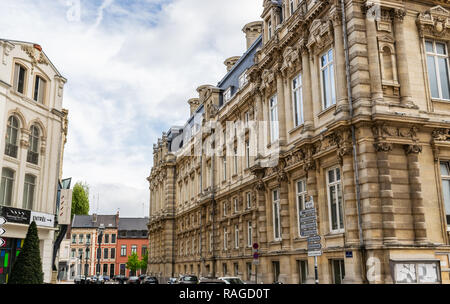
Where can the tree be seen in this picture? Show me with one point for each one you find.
(27, 268)
(133, 263)
(144, 262)
(80, 199)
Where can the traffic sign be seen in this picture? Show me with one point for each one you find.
(308, 233)
(255, 246)
(255, 262)
(256, 255)
(308, 219)
(312, 247)
(2, 220)
(308, 212)
(309, 205)
(314, 253)
(2, 231)
(306, 226)
(313, 239)
(2, 242)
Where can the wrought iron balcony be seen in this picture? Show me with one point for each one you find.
(32, 157)
(11, 150)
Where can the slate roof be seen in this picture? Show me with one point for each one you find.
(133, 223)
(85, 221)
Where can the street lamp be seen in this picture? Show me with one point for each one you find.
(86, 267)
(101, 228)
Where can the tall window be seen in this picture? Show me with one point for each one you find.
(276, 270)
(249, 200)
(276, 215)
(445, 175)
(338, 269)
(105, 253)
(236, 236)
(301, 197)
(210, 242)
(39, 89)
(438, 69)
(74, 238)
(133, 249)
(81, 239)
(269, 29)
(273, 118)
(19, 78)
(249, 234)
(113, 238)
(243, 80)
(224, 167)
(335, 200)
(235, 158)
(113, 253)
(106, 238)
(33, 150)
(6, 187)
(302, 271)
(12, 132)
(28, 191)
(225, 238)
(227, 95)
(224, 209)
(236, 205)
(123, 250)
(327, 75)
(297, 100)
(88, 238)
(247, 153)
(291, 6)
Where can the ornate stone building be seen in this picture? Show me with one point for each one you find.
(352, 107)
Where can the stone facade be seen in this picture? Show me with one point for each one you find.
(33, 128)
(363, 129)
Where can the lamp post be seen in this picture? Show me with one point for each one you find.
(86, 267)
(101, 228)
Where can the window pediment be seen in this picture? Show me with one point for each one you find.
(435, 23)
(321, 35)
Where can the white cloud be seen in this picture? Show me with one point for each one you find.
(131, 67)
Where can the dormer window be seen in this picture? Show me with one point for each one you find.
(243, 80)
(39, 89)
(19, 78)
(227, 95)
(269, 29)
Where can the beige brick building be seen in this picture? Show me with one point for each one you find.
(347, 105)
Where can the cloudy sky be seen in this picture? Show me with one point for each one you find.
(131, 66)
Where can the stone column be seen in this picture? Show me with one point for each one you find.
(261, 226)
(386, 193)
(308, 112)
(373, 55)
(281, 109)
(415, 186)
(341, 74)
(284, 213)
(402, 62)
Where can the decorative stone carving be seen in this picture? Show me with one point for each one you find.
(382, 146)
(291, 58)
(435, 22)
(35, 53)
(384, 131)
(441, 135)
(321, 35)
(267, 78)
(409, 149)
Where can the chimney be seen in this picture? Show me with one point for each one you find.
(252, 31)
(94, 217)
(117, 219)
(193, 104)
(230, 62)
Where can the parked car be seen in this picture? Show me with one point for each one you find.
(106, 278)
(211, 281)
(80, 279)
(188, 279)
(121, 279)
(133, 280)
(149, 280)
(172, 281)
(232, 280)
(100, 280)
(142, 277)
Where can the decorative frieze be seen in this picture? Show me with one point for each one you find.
(435, 22)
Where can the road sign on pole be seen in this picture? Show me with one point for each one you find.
(2, 242)
(2, 220)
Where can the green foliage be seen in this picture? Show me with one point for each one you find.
(80, 199)
(144, 262)
(133, 263)
(27, 268)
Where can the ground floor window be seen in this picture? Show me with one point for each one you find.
(249, 271)
(224, 269)
(236, 269)
(302, 271)
(276, 270)
(338, 271)
(122, 269)
(111, 270)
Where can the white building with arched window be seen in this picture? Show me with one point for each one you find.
(33, 128)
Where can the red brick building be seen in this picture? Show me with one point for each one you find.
(132, 237)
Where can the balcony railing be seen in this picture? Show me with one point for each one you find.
(32, 157)
(11, 150)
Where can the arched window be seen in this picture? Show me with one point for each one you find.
(28, 191)
(12, 133)
(6, 187)
(33, 150)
